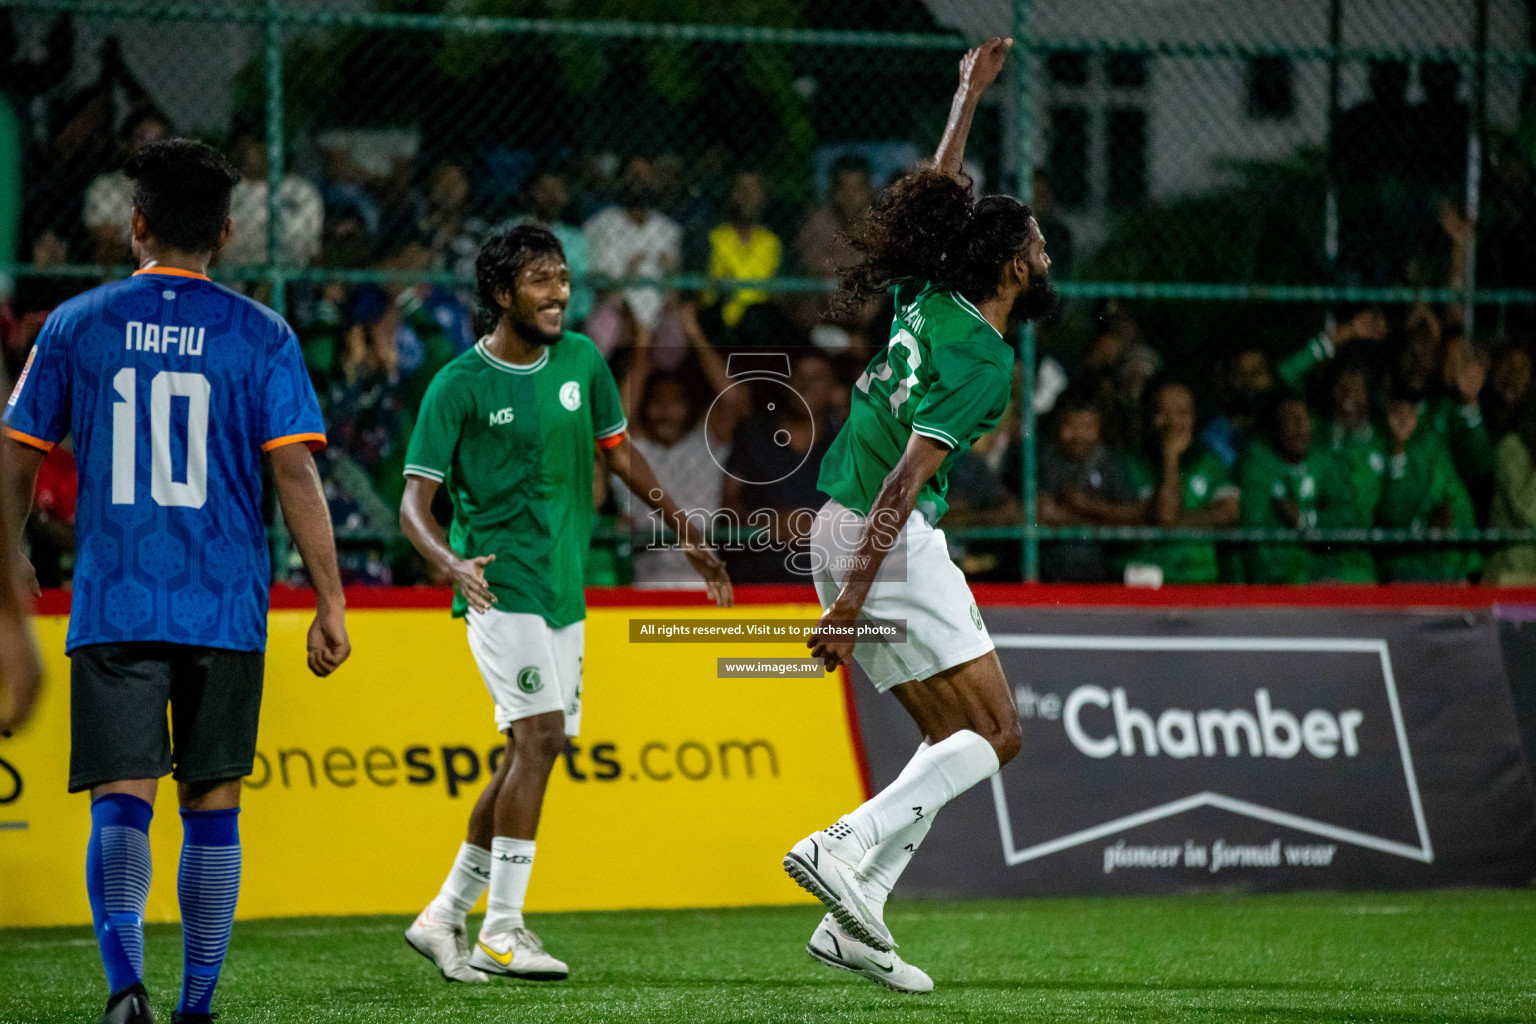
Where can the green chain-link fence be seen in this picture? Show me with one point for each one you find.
(1211, 178)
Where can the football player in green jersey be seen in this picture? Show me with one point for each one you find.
(964, 271)
(511, 428)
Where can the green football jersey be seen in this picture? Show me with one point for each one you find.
(1416, 482)
(1324, 497)
(1203, 477)
(514, 446)
(946, 374)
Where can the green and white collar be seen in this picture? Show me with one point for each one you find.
(501, 364)
(965, 304)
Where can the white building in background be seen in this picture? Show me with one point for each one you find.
(1195, 112)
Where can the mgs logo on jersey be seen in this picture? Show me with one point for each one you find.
(501, 416)
(570, 395)
(529, 681)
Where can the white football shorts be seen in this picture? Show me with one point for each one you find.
(917, 584)
(529, 666)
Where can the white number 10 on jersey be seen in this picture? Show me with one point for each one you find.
(165, 490)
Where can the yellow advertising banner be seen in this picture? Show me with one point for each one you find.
(684, 789)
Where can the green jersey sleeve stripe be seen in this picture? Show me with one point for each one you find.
(622, 426)
(430, 474)
(936, 434)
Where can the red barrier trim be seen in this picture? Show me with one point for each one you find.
(1336, 595)
(1406, 595)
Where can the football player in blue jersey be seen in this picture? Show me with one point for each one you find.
(172, 387)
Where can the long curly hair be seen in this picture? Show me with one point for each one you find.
(926, 226)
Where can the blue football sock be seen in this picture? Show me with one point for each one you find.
(208, 887)
(117, 879)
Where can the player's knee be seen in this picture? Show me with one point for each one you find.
(547, 741)
(1006, 742)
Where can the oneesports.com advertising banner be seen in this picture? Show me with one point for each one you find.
(1236, 748)
(364, 780)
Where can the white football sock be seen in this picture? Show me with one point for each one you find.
(931, 779)
(511, 867)
(464, 886)
(884, 863)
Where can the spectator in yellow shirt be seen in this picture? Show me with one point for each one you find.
(743, 249)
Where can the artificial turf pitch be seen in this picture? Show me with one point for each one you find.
(1454, 957)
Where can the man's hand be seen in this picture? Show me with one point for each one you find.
(1176, 443)
(1289, 511)
(1402, 421)
(712, 571)
(25, 576)
(1458, 227)
(832, 648)
(469, 577)
(980, 67)
(1366, 325)
(1471, 378)
(328, 644)
(21, 674)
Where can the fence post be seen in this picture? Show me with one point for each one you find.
(1477, 134)
(1023, 11)
(275, 157)
(277, 538)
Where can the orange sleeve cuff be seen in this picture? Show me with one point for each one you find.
(29, 440)
(611, 441)
(314, 441)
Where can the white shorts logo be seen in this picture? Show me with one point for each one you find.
(570, 395)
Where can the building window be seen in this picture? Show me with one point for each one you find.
(1126, 70)
(1125, 151)
(1269, 89)
(1068, 68)
(1067, 154)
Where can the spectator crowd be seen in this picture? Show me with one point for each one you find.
(1388, 417)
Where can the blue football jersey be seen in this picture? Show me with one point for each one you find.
(172, 386)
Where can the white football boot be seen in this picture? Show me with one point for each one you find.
(516, 954)
(838, 885)
(445, 945)
(836, 948)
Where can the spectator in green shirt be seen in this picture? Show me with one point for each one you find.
(1082, 483)
(1421, 490)
(1514, 507)
(1286, 483)
(1183, 483)
(1446, 376)
(1507, 398)
(1368, 325)
(1359, 444)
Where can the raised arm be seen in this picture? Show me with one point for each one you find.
(731, 405)
(302, 498)
(979, 68)
(887, 517)
(640, 365)
(626, 463)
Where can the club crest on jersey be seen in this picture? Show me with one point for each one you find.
(528, 680)
(570, 395)
(501, 416)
